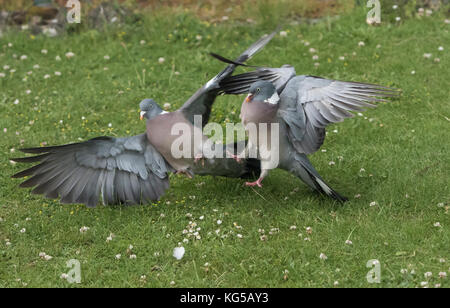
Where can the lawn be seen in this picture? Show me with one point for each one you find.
(392, 162)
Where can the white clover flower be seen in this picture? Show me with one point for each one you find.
(161, 60)
(166, 105)
(317, 64)
(312, 50)
(331, 163)
(398, 18)
(219, 222)
(44, 51)
(58, 58)
(440, 48)
(322, 256)
(28, 91)
(70, 55)
(315, 57)
(130, 247)
(2, 75)
(58, 73)
(23, 57)
(133, 256)
(336, 283)
(64, 276)
(23, 230)
(437, 224)
(239, 235)
(36, 66)
(106, 57)
(84, 229)
(342, 58)
(428, 274)
(46, 76)
(361, 44)
(427, 55)
(8, 243)
(283, 33)
(178, 252)
(373, 203)
(109, 124)
(442, 274)
(142, 42)
(293, 227)
(348, 242)
(12, 70)
(395, 6)
(118, 256)
(413, 72)
(172, 283)
(47, 258)
(198, 37)
(16, 101)
(10, 45)
(404, 271)
(437, 60)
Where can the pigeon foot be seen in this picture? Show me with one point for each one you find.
(252, 184)
(235, 157)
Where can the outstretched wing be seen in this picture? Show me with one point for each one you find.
(120, 170)
(201, 102)
(308, 104)
(240, 84)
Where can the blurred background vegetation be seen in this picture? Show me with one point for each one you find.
(215, 11)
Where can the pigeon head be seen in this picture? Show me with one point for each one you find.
(149, 109)
(263, 91)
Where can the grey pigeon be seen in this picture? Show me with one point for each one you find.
(131, 170)
(302, 106)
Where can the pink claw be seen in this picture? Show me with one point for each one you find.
(256, 183)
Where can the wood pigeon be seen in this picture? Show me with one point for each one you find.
(132, 170)
(302, 106)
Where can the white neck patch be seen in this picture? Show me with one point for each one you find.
(274, 99)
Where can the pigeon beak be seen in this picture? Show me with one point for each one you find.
(249, 98)
(141, 115)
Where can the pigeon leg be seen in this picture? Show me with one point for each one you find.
(235, 157)
(198, 157)
(185, 173)
(258, 182)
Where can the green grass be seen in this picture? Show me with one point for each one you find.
(403, 146)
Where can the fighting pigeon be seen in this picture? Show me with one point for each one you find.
(132, 170)
(302, 106)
